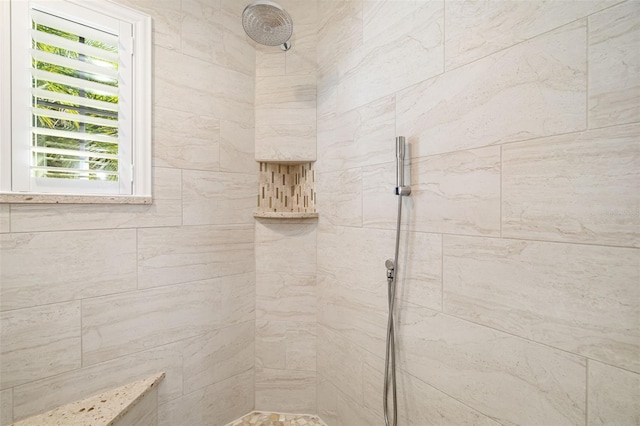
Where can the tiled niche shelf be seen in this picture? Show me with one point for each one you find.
(286, 191)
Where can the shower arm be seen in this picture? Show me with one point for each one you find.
(401, 188)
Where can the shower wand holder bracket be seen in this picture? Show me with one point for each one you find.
(402, 191)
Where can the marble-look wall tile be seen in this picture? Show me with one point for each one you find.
(327, 397)
(5, 218)
(238, 101)
(166, 210)
(614, 66)
(302, 12)
(301, 58)
(354, 258)
(151, 318)
(354, 413)
(286, 345)
(340, 31)
(166, 28)
(240, 54)
(285, 247)
(373, 382)
(391, 18)
(580, 187)
(237, 147)
(217, 198)
(176, 255)
(284, 142)
(187, 84)
(221, 402)
(340, 362)
(379, 201)
(413, 394)
(185, 140)
(6, 407)
(218, 355)
(457, 193)
(440, 409)
(202, 30)
(478, 29)
(537, 88)
(286, 296)
(70, 266)
(341, 197)
(364, 136)
(583, 299)
(399, 57)
(290, 100)
(454, 193)
(355, 312)
(285, 390)
(239, 295)
(39, 342)
(143, 412)
(420, 269)
(327, 94)
(46, 394)
(270, 61)
(339, 408)
(509, 379)
(613, 396)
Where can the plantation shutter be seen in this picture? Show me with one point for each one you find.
(78, 107)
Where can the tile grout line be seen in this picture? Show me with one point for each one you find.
(492, 144)
(501, 186)
(379, 228)
(81, 336)
(587, 91)
(586, 393)
(444, 37)
(442, 273)
(535, 342)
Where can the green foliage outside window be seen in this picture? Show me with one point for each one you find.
(93, 168)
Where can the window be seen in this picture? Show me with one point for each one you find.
(79, 115)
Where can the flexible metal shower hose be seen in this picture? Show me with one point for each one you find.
(390, 358)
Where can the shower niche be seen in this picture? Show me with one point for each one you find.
(286, 190)
(285, 119)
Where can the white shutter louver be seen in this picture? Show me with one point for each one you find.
(80, 104)
(74, 100)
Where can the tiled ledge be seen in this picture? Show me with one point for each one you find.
(286, 215)
(105, 409)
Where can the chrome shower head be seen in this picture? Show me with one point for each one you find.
(268, 23)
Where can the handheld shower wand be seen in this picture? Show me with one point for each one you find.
(392, 275)
(401, 188)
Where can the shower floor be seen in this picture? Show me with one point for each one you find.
(258, 418)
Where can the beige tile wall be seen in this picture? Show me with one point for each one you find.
(286, 300)
(96, 296)
(286, 130)
(285, 100)
(518, 299)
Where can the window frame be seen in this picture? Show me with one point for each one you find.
(141, 188)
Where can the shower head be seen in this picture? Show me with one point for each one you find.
(268, 23)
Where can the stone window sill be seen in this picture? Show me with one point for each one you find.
(15, 198)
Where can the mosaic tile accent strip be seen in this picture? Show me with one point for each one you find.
(258, 418)
(287, 188)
